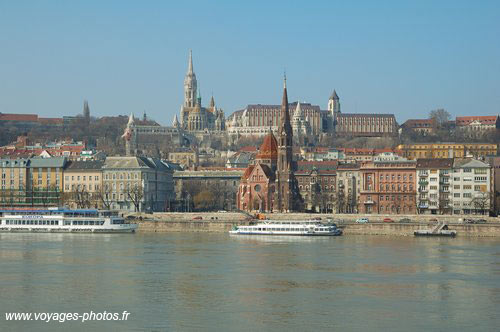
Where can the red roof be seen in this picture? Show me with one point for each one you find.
(465, 120)
(269, 148)
(19, 117)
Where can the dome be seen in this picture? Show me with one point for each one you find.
(269, 148)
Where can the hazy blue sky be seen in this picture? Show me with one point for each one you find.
(402, 57)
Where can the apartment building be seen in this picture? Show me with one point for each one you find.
(433, 183)
(471, 185)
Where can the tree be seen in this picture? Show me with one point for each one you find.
(104, 196)
(82, 198)
(481, 202)
(204, 200)
(440, 116)
(135, 194)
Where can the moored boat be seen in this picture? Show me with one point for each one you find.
(288, 227)
(63, 221)
(441, 229)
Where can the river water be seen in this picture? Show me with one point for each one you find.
(217, 282)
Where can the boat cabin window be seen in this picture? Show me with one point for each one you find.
(117, 221)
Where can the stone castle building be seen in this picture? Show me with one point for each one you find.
(269, 184)
(311, 122)
(198, 125)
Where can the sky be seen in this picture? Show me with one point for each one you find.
(401, 57)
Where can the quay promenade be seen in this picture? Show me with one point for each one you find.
(222, 222)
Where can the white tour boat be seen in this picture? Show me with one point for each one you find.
(288, 227)
(63, 221)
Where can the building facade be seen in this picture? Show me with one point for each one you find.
(83, 184)
(434, 186)
(317, 185)
(471, 185)
(223, 184)
(388, 187)
(448, 150)
(137, 184)
(348, 187)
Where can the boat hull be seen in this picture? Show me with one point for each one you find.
(435, 234)
(286, 234)
(129, 229)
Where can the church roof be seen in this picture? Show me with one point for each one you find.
(269, 148)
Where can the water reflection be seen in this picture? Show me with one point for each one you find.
(199, 281)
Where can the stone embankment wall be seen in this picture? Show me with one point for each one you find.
(223, 222)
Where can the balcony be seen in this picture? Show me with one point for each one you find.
(423, 190)
(369, 201)
(444, 190)
(423, 206)
(422, 183)
(424, 174)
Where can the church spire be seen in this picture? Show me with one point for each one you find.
(190, 84)
(190, 65)
(285, 127)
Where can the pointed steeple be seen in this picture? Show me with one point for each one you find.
(190, 84)
(298, 111)
(334, 95)
(190, 65)
(212, 102)
(285, 126)
(175, 123)
(130, 120)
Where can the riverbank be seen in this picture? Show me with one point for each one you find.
(223, 222)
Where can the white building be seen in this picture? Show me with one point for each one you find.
(471, 187)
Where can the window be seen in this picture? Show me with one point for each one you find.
(457, 186)
(477, 188)
(467, 195)
(467, 187)
(467, 170)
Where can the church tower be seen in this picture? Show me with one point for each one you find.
(334, 109)
(285, 190)
(190, 84)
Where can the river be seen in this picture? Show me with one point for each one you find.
(217, 282)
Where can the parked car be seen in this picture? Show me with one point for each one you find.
(434, 219)
(316, 218)
(388, 220)
(130, 217)
(481, 221)
(405, 220)
(198, 218)
(222, 211)
(362, 220)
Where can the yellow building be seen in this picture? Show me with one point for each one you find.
(447, 150)
(31, 182)
(83, 184)
(45, 181)
(13, 176)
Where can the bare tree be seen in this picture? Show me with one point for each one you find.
(135, 194)
(104, 196)
(441, 116)
(82, 198)
(481, 202)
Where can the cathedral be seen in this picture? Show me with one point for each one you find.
(269, 184)
(194, 117)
